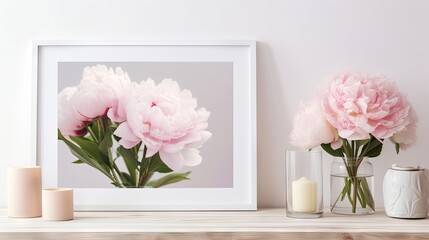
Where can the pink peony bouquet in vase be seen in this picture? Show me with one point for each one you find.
(351, 120)
(150, 127)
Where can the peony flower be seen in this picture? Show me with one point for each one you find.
(358, 105)
(98, 92)
(68, 122)
(131, 91)
(408, 136)
(164, 118)
(310, 127)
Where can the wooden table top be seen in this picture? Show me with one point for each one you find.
(271, 222)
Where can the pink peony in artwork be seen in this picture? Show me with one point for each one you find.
(166, 120)
(68, 121)
(159, 127)
(98, 91)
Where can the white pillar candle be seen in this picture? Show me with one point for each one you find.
(24, 190)
(57, 204)
(304, 195)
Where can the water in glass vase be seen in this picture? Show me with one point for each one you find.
(343, 199)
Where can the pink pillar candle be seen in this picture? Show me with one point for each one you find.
(24, 190)
(58, 204)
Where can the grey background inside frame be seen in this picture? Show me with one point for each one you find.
(210, 82)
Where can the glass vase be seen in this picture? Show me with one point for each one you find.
(304, 184)
(352, 186)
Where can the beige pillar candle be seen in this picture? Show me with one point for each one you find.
(304, 195)
(24, 190)
(58, 204)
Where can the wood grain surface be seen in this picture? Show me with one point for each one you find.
(213, 236)
(262, 224)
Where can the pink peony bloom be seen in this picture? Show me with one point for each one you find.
(98, 92)
(310, 127)
(358, 105)
(408, 136)
(164, 118)
(68, 122)
(129, 92)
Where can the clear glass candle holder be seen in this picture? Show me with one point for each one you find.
(304, 184)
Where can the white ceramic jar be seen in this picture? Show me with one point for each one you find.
(406, 192)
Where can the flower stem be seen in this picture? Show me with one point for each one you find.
(141, 170)
(101, 129)
(114, 169)
(355, 191)
(353, 157)
(146, 178)
(91, 132)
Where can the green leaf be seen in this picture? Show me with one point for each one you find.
(91, 148)
(106, 143)
(118, 185)
(81, 155)
(130, 160)
(126, 179)
(336, 153)
(129, 157)
(375, 152)
(168, 179)
(397, 147)
(78, 161)
(159, 165)
(155, 164)
(374, 147)
(117, 139)
(360, 143)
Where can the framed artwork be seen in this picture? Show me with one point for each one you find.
(147, 125)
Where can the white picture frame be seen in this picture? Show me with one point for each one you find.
(242, 196)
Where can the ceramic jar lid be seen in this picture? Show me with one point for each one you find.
(405, 168)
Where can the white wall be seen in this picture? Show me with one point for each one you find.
(299, 44)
